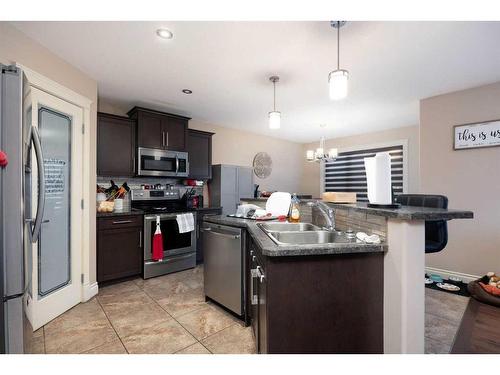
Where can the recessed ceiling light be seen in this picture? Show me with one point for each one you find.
(164, 33)
(187, 91)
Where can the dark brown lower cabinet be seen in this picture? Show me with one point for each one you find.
(119, 247)
(316, 304)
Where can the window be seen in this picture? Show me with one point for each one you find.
(347, 172)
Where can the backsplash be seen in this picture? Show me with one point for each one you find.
(360, 222)
(136, 182)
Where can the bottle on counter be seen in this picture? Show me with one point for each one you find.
(294, 216)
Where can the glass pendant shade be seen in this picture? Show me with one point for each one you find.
(274, 120)
(338, 81)
(310, 155)
(333, 153)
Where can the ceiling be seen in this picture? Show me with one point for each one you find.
(227, 65)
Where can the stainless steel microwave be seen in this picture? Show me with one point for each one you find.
(162, 163)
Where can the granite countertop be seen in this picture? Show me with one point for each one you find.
(269, 248)
(403, 213)
(407, 212)
(124, 213)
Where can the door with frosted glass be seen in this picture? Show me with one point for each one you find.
(54, 171)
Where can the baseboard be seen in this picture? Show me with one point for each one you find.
(89, 291)
(445, 274)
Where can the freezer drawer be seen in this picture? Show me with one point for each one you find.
(223, 247)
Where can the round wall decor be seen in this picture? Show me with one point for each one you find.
(262, 165)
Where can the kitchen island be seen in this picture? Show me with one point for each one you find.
(384, 281)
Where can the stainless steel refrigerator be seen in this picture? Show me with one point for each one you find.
(15, 331)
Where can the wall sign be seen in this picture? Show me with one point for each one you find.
(480, 134)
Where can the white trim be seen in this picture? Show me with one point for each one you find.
(445, 274)
(89, 291)
(49, 86)
(399, 142)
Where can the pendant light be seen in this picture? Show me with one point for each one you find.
(274, 115)
(338, 79)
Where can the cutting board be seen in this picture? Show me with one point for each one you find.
(339, 197)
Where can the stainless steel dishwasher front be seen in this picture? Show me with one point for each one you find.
(223, 256)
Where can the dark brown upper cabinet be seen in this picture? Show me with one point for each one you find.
(160, 130)
(115, 145)
(200, 154)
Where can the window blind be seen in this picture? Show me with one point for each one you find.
(347, 172)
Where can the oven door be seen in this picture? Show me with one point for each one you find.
(154, 162)
(174, 243)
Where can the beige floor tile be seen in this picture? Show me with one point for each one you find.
(235, 339)
(76, 316)
(167, 337)
(206, 321)
(135, 318)
(37, 343)
(80, 338)
(166, 289)
(114, 347)
(194, 349)
(182, 303)
(118, 288)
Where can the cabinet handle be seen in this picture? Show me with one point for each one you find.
(140, 238)
(122, 222)
(167, 139)
(163, 139)
(253, 297)
(133, 164)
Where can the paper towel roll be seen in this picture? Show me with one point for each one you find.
(378, 178)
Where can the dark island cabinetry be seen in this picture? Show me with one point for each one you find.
(316, 304)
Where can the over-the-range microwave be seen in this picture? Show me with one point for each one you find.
(162, 163)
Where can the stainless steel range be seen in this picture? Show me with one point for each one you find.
(179, 249)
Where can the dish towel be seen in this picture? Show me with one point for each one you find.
(185, 222)
(158, 242)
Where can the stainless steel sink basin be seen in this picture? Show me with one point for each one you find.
(288, 227)
(308, 237)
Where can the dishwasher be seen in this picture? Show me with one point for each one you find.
(223, 248)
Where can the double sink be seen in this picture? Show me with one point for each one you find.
(302, 234)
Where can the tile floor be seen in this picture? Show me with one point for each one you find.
(168, 314)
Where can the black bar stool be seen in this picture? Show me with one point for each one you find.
(436, 231)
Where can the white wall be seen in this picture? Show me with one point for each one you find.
(311, 171)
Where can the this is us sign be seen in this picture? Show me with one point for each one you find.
(481, 134)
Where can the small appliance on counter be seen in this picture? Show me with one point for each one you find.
(179, 249)
(379, 181)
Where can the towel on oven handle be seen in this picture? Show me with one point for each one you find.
(185, 222)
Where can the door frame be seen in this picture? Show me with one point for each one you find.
(88, 288)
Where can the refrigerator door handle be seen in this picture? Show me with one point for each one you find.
(41, 185)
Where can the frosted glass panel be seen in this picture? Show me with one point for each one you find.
(54, 251)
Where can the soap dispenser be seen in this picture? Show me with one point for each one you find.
(294, 216)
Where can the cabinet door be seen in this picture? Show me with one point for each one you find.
(115, 146)
(119, 253)
(262, 314)
(200, 155)
(245, 182)
(175, 133)
(149, 130)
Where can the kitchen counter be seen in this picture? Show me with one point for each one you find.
(407, 212)
(208, 208)
(269, 248)
(124, 213)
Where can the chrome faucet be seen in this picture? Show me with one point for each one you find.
(327, 211)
